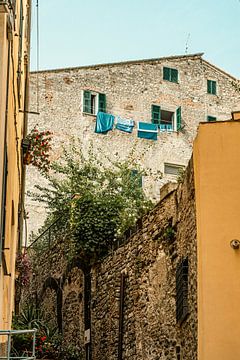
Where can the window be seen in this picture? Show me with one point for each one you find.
(212, 87)
(167, 120)
(93, 102)
(135, 174)
(170, 74)
(173, 169)
(211, 118)
(182, 290)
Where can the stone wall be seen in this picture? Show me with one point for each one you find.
(147, 261)
(131, 88)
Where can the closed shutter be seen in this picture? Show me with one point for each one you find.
(166, 73)
(102, 102)
(211, 118)
(87, 102)
(135, 173)
(156, 114)
(209, 87)
(214, 87)
(179, 118)
(174, 75)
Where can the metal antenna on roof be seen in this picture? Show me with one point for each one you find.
(187, 42)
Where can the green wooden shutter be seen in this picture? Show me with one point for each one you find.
(211, 118)
(179, 118)
(214, 87)
(209, 86)
(135, 173)
(174, 75)
(87, 102)
(166, 73)
(156, 114)
(102, 102)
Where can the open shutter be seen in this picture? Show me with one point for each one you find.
(214, 87)
(156, 114)
(166, 73)
(209, 86)
(102, 102)
(87, 102)
(179, 118)
(174, 75)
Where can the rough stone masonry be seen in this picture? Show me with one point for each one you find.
(145, 326)
(131, 88)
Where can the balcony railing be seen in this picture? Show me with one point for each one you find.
(8, 352)
(7, 6)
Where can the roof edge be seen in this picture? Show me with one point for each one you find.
(197, 55)
(219, 69)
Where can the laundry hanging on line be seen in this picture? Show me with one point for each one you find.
(147, 131)
(124, 124)
(104, 122)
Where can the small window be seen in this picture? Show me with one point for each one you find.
(173, 169)
(167, 120)
(212, 87)
(182, 290)
(93, 102)
(135, 174)
(170, 74)
(211, 118)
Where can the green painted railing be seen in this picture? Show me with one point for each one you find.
(9, 352)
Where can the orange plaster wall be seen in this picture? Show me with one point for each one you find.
(217, 182)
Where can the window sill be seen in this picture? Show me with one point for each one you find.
(173, 82)
(88, 114)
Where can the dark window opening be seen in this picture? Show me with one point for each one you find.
(182, 291)
(167, 120)
(170, 74)
(211, 118)
(93, 104)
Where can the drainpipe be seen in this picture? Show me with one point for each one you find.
(121, 315)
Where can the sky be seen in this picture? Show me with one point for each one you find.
(87, 32)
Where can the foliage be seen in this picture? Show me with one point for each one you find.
(23, 267)
(38, 148)
(71, 352)
(48, 341)
(100, 202)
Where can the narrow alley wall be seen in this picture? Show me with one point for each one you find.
(145, 326)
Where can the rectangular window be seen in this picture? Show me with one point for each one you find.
(170, 74)
(167, 120)
(212, 87)
(211, 118)
(182, 290)
(173, 169)
(93, 102)
(135, 174)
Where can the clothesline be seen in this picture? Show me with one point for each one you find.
(105, 122)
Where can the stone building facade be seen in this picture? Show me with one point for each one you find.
(129, 89)
(124, 307)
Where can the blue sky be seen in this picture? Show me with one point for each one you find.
(84, 32)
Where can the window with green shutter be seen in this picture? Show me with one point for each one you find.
(170, 74)
(93, 102)
(135, 174)
(212, 87)
(102, 102)
(211, 118)
(156, 114)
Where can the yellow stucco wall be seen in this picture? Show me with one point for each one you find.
(11, 123)
(217, 182)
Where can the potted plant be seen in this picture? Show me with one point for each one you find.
(36, 147)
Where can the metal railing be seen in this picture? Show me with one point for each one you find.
(9, 353)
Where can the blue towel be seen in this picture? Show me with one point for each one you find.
(147, 131)
(104, 122)
(125, 124)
